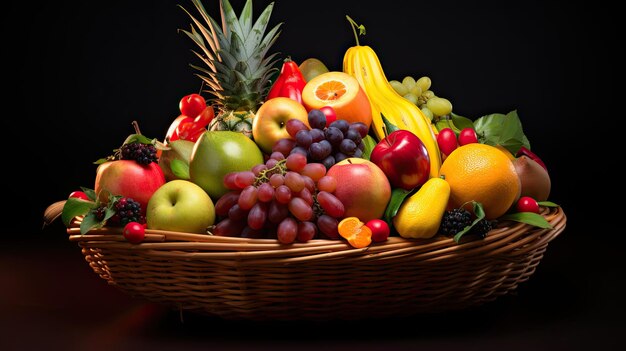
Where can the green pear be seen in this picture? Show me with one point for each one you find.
(217, 153)
(311, 68)
(179, 150)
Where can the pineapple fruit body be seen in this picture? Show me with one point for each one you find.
(236, 121)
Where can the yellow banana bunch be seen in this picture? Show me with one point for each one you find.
(362, 63)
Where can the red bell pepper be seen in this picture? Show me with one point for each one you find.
(289, 83)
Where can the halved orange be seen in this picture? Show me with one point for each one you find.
(342, 92)
(356, 232)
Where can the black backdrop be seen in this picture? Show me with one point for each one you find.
(77, 74)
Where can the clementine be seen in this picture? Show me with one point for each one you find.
(355, 232)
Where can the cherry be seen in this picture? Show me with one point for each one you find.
(527, 204)
(192, 105)
(380, 229)
(446, 139)
(134, 232)
(467, 136)
(79, 195)
(330, 114)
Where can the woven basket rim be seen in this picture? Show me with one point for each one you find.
(261, 279)
(509, 237)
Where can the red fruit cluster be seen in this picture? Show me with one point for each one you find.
(195, 117)
(448, 140)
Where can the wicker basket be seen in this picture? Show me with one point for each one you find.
(260, 279)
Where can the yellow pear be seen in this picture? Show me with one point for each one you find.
(420, 215)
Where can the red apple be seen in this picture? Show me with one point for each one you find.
(130, 179)
(270, 122)
(362, 187)
(403, 158)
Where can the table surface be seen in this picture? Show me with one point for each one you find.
(51, 299)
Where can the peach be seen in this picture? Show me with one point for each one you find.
(362, 187)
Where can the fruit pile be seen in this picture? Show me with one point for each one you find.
(303, 152)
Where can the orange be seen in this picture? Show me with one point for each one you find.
(506, 152)
(342, 92)
(356, 232)
(481, 173)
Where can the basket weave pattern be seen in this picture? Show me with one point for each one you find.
(260, 279)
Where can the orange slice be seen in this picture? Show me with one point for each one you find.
(355, 231)
(342, 92)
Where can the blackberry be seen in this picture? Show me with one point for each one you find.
(126, 210)
(100, 212)
(454, 221)
(481, 228)
(142, 153)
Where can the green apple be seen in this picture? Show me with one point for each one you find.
(180, 206)
(217, 153)
(178, 150)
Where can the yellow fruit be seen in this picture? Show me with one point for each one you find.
(420, 215)
(481, 173)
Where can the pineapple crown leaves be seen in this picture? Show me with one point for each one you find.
(237, 71)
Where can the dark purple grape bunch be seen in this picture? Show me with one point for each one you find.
(324, 144)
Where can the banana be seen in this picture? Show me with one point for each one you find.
(363, 63)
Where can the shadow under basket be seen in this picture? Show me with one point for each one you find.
(260, 279)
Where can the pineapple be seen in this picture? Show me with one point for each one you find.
(237, 69)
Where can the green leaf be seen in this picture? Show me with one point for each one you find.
(103, 160)
(89, 192)
(75, 207)
(390, 126)
(138, 138)
(180, 169)
(499, 129)
(480, 214)
(531, 218)
(370, 143)
(397, 198)
(89, 222)
(547, 204)
(461, 122)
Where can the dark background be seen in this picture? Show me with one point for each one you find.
(77, 74)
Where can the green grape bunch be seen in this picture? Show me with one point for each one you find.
(419, 93)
